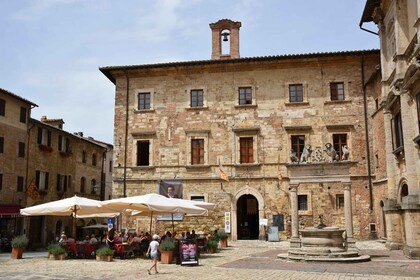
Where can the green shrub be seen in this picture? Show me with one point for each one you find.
(212, 244)
(104, 251)
(167, 245)
(222, 234)
(20, 241)
(55, 249)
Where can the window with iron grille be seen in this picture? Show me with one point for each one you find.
(21, 150)
(23, 115)
(339, 201)
(303, 202)
(196, 97)
(2, 107)
(246, 149)
(143, 153)
(298, 144)
(19, 187)
(339, 141)
(197, 151)
(245, 95)
(144, 100)
(41, 180)
(295, 93)
(337, 91)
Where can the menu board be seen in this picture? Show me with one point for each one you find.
(188, 252)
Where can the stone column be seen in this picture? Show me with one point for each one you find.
(348, 216)
(390, 159)
(295, 240)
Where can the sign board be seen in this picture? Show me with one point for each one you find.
(168, 217)
(273, 234)
(110, 224)
(263, 222)
(188, 251)
(227, 222)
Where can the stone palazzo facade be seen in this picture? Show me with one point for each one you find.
(398, 29)
(289, 131)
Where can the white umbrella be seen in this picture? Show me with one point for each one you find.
(97, 226)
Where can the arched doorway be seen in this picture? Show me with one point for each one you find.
(247, 218)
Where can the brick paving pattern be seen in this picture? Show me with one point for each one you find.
(241, 260)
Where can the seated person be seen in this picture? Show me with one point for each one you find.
(63, 238)
(93, 239)
(71, 240)
(87, 239)
(193, 235)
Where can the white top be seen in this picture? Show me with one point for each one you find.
(154, 247)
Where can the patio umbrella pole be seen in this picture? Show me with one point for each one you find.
(74, 222)
(172, 214)
(151, 215)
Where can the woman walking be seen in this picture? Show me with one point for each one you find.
(152, 251)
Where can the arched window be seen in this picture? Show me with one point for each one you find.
(404, 190)
(83, 185)
(94, 159)
(225, 42)
(93, 186)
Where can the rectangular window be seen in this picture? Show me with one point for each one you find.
(144, 100)
(198, 198)
(84, 156)
(303, 202)
(337, 91)
(295, 93)
(2, 107)
(19, 187)
(22, 115)
(63, 182)
(63, 144)
(298, 143)
(1, 181)
(44, 137)
(1, 145)
(110, 166)
(398, 133)
(339, 201)
(41, 180)
(339, 141)
(246, 149)
(245, 95)
(197, 151)
(94, 159)
(21, 150)
(143, 153)
(197, 98)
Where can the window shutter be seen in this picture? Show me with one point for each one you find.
(65, 183)
(37, 175)
(58, 183)
(46, 180)
(49, 139)
(39, 135)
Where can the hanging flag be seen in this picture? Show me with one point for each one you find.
(223, 175)
(32, 191)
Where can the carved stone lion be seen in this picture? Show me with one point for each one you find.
(329, 149)
(305, 154)
(293, 157)
(345, 152)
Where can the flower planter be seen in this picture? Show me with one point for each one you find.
(57, 257)
(223, 243)
(166, 257)
(211, 250)
(104, 258)
(17, 253)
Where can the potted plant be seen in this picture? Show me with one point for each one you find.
(212, 246)
(104, 254)
(56, 252)
(223, 238)
(18, 245)
(166, 247)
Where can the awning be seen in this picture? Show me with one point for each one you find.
(10, 211)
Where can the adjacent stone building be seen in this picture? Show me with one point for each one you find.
(15, 113)
(289, 131)
(399, 103)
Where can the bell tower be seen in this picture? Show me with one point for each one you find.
(225, 30)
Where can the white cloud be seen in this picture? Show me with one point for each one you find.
(39, 8)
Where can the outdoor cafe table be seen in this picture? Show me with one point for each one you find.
(80, 249)
(123, 250)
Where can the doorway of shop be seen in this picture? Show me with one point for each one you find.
(247, 217)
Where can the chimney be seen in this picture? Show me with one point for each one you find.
(228, 31)
(58, 123)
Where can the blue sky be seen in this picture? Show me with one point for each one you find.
(50, 50)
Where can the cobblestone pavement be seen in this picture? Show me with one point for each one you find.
(241, 260)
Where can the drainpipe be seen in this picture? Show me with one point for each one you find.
(126, 137)
(365, 107)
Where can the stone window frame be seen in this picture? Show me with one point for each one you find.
(340, 149)
(305, 90)
(295, 131)
(395, 110)
(246, 132)
(197, 134)
(337, 83)
(339, 200)
(138, 91)
(143, 136)
(253, 96)
(309, 202)
(341, 129)
(206, 199)
(188, 97)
